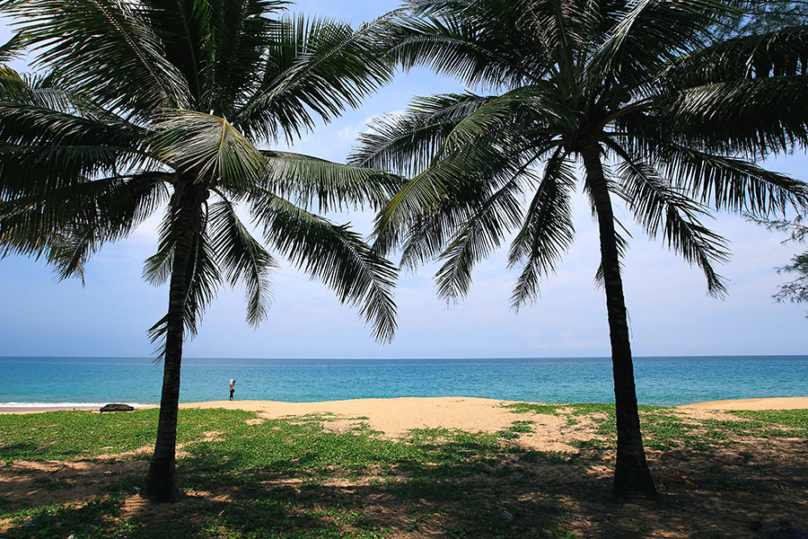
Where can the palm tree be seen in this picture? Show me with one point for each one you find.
(152, 103)
(631, 99)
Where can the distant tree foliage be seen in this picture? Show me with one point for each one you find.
(795, 291)
(767, 17)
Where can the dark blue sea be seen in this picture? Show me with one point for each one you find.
(664, 381)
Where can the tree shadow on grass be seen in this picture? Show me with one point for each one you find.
(284, 480)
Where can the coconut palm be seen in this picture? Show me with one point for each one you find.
(630, 100)
(152, 103)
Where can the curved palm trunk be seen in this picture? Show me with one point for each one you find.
(631, 473)
(160, 484)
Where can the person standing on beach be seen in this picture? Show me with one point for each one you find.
(232, 388)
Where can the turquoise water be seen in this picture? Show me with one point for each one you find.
(664, 381)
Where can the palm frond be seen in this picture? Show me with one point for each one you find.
(471, 199)
(534, 106)
(317, 66)
(778, 53)
(71, 223)
(242, 258)
(12, 49)
(467, 175)
(407, 143)
(755, 116)
(420, 195)
(202, 273)
(661, 209)
(55, 246)
(157, 268)
(104, 47)
(481, 234)
(239, 32)
(728, 183)
(465, 47)
(547, 231)
(333, 186)
(653, 33)
(334, 255)
(209, 147)
(12, 84)
(59, 137)
(499, 43)
(450, 137)
(35, 90)
(428, 232)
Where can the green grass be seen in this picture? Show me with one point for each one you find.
(297, 479)
(665, 428)
(94, 519)
(516, 429)
(70, 435)
(441, 473)
(527, 407)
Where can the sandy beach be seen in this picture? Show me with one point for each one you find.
(391, 416)
(396, 415)
(39, 409)
(782, 403)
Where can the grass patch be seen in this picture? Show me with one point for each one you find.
(516, 429)
(294, 478)
(529, 407)
(97, 518)
(76, 434)
(281, 478)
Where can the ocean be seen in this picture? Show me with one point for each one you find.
(662, 381)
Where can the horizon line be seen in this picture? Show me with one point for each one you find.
(405, 358)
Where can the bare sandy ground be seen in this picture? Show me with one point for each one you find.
(397, 415)
(392, 416)
(783, 403)
(38, 409)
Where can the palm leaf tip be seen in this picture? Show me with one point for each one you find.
(331, 186)
(335, 255)
(242, 258)
(12, 49)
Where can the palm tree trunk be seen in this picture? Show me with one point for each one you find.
(160, 484)
(631, 473)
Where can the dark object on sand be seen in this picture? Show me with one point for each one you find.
(116, 408)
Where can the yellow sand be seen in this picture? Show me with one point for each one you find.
(394, 416)
(782, 403)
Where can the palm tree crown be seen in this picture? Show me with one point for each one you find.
(153, 103)
(635, 93)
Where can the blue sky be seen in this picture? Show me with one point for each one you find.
(670, 313)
